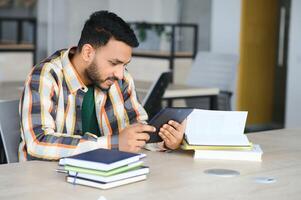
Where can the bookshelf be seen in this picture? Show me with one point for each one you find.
(19, 44)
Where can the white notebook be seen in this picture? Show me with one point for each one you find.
(102, 185)
(249, 155)
(216, 128)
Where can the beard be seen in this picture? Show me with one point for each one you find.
(94, 76)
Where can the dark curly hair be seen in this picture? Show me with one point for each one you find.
(102, 26)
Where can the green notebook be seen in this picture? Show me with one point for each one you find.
(132, 166)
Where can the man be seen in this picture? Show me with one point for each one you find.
(84, 98)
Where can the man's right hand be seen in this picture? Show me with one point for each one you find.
(134, 137)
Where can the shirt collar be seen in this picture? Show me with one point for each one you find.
(72, 78)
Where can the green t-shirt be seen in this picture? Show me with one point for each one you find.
(89, 120)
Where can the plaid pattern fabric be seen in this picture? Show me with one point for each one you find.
(50, 111)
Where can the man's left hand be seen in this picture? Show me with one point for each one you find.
(172, 134)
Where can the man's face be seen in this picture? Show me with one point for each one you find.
(109, 64)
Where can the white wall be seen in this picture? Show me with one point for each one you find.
(79, 12)
(225, 31)
(146, 10)
(57, 21)
(293, 96)
(42, 29)
(225, 27)
(60, 23)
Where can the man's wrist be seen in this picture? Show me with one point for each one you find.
(115, 142)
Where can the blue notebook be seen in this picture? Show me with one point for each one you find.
(102, 159)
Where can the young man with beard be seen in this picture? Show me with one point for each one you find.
(83, 98)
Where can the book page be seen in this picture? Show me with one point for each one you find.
(208, 127)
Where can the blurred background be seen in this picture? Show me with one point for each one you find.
(249, 50)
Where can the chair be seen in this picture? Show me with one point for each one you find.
(153, 98)
(214, 70)
(10, 129)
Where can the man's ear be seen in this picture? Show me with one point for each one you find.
(88, 53)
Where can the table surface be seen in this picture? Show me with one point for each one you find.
(175, 175)
(177, 90)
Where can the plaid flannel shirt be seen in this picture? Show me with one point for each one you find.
(50, 111)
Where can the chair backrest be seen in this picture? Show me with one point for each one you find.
(214, 70)
(153, 98)
(10, 129)
(147, 69)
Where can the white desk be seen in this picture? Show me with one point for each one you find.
(174, 176)
(178, 91)
(11, 90)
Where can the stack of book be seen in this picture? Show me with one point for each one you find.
(104, 169)
(252, 152)
(219, 135)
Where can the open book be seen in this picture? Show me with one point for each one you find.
(216, 128)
